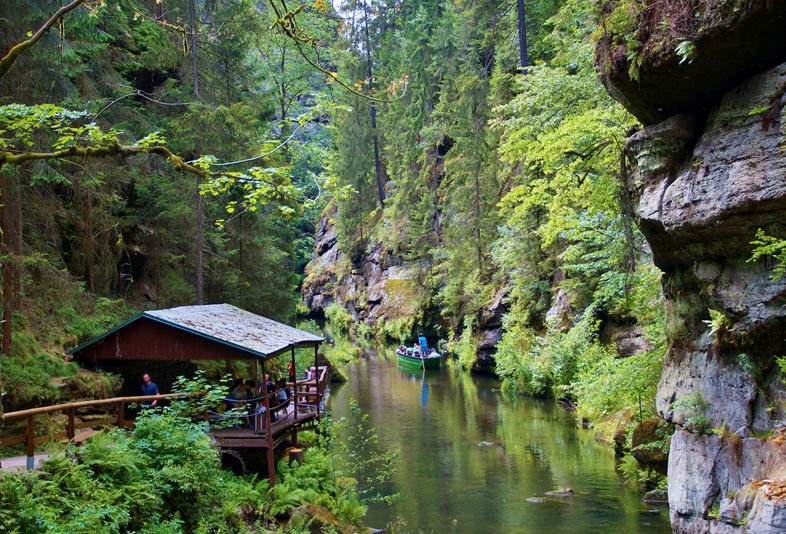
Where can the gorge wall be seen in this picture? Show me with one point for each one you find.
(382, 289)
(710, 171)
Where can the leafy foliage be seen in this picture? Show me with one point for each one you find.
(166, 476)
(767, 245)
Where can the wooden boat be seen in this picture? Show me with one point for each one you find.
(413, 360)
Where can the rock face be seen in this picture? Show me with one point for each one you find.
(644, 437)
(378, 285)
(723, 42)
(709, 174)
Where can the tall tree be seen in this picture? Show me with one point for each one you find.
(198, 151)
(522, 32)
(373, 106)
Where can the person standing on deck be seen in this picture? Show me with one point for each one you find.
(423, 345)
(149, 388)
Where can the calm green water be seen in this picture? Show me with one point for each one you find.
(447, 483)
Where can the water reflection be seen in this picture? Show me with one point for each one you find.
(469, 457)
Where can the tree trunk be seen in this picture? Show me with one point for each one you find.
(477, 221)
(522, 30)
(16, 244)
(5, 252)
(627, 212)
(198, 150)
(377, 164)
(89, 254)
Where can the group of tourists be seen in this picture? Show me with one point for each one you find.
(243, 394)
(248, 399)
(419, 350)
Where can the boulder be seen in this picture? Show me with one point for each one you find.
(768, 514)
(561, 311)
(628, 340)
(644, 435)
(657, 496)
(318, 519)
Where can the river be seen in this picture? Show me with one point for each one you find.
(469, 456)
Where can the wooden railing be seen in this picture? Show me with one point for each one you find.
(70, 408)
(304, 391)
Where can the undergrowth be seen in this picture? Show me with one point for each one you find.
(166, 477)
(55, 315)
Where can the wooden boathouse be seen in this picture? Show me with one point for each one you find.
(206, 332)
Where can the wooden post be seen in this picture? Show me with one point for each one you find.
(71, 428)
(295, 455)
(271, 465)
(316, 377)
(121, 418)
(30, 442)
(294, 394)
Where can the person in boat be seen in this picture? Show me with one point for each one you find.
(416, 351)
(423, 344)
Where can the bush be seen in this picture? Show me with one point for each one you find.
(546, 365)
(399, 328)
(466, 346)
(339, 318)
(165, 477)
(612, 383)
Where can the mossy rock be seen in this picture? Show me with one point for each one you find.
(645, 447)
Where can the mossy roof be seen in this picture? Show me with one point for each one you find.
(225, 324)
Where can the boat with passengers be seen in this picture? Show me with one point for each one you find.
(411, 357)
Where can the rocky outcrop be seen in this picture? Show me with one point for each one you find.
(720, 42)
(645, 443)
(490, 329)
(709, 174)
(379, 287)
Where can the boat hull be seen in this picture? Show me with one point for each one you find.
(418, 363)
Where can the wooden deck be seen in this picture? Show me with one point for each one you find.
(246, 437)
(304, 411)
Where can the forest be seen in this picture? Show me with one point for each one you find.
(528, 182)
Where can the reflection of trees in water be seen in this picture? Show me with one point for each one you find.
(526, 448)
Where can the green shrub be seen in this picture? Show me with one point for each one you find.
(465, 347)
(692, 408)
(547, 365)
(399, 329)
(611, 383)
(166, 477)
(339, 318)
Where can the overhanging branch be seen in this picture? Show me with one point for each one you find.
(10, 58)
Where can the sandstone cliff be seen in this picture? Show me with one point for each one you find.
(376, 285)
(383, 290)
(711, 170)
